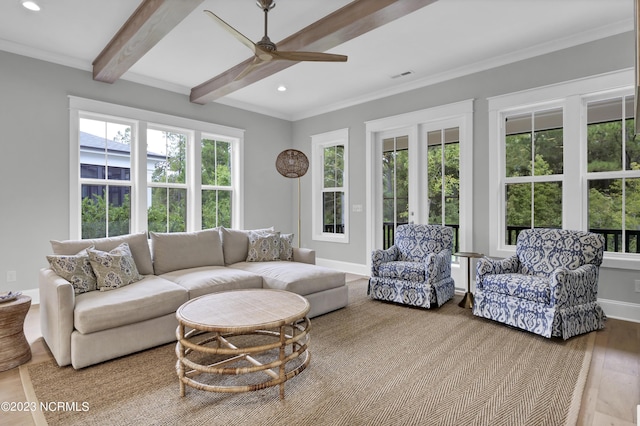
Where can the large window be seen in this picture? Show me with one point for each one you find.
(613, 173)
(533, 159)
(135, 170)
(566, 156)
(330, 186)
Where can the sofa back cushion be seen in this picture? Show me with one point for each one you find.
(182, 250)
(541, 251)
(137, 244)
(235, 244)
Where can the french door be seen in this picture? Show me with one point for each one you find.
(419, 177)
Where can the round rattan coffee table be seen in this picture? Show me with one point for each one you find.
(242, 332)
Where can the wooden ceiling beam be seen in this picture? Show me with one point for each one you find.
(349, 22)
(151, 21)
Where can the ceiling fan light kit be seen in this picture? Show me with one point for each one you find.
(265, 50)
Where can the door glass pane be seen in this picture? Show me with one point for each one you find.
(632, 141)
(395, 185)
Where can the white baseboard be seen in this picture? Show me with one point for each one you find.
(351, 268)
(620, 310)
(34, 294)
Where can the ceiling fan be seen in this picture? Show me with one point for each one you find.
(265, 50)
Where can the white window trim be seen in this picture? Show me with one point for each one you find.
(318, 143)
(141, 119)
(572, 96)
(460, 113)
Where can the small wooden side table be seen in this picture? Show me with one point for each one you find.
(14, 348)
(467, 300)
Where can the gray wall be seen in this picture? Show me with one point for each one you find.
(34, 156)
(34, 165)
(610, 54)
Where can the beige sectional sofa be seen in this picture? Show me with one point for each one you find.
(84, 327)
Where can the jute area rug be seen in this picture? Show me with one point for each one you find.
(372, 363)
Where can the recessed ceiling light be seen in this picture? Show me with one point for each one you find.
(31, 5)
(282, 88)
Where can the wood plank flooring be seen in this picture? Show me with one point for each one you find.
(611, 394)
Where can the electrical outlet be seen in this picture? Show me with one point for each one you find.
(11, 276)
(638, 286)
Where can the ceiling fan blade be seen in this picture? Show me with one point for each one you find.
(238, 35)
(308, 56)
(255, 64)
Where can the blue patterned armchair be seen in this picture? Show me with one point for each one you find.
(416, 270)
(549, 287)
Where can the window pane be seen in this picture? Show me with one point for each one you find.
(333, 221)
(216, 163)
(168, 210)
(548, 142)
(518, 210)
(98, 220)
(168, 149)
(94, 212)
(632, 142)
(518, 145)
(605, 211)
(547, 205)
(632, 215)
(333, 166)
(119, 210)
(604, 135)
(216, 209)
(104, 145)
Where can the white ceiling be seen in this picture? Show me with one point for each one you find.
(444, 40)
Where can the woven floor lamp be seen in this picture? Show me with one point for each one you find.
(292, 163)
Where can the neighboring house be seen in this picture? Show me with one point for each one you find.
(94, 154)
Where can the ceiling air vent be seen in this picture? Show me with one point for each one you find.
(402, 74)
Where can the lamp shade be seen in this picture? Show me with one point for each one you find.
(292, 163)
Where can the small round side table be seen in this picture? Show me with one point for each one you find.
(467, 300)
(14, 348)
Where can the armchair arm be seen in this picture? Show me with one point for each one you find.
(574, 286)
(378, 257)
(438, 266)
(487, 266)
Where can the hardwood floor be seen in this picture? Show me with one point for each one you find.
(611, 395)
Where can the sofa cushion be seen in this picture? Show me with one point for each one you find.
(137, 243)
(235, 244)
(148, 298)
(113, 269)
(300, 278)
(210, 279)
(263, 246)
(182, 250)
(76, 269)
